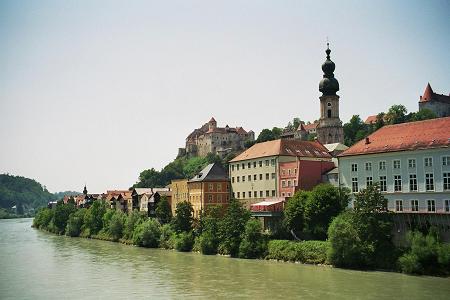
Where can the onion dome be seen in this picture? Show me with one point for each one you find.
(328, 85)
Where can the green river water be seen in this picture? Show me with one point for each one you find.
(39, 265)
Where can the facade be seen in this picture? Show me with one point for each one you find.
(218, 140)
(180, 192)
(277, 169)
(411, 161)
(146, 199)
(209, 187)
(437, 103)
(329, 130)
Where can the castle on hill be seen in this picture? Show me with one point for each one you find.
(218, 140)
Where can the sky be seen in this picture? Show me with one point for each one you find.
(94, 92)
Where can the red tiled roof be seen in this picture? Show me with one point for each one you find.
(284, 147)
(311, 126)
(429, 95)
(371, 119)
(426, 134)
(301, 127)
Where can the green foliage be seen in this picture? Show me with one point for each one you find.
(370, 200)
(423, 114)
(132, 220)
(147, 234)
(107, 218)
(253, 244)
(309, 252)
(231, 226)
(396, 114)
(208, 241)
(355, 130)
(93, 219)
(269, 135)
(425, 255)
(61, 216)
(182, 222)
(75, 222)
(294, 212)
(23, 193)
(166, 240)
(117, 225)
(43, 218)
(163, 211)
(194, 165)
(184, 241)
(5, 214)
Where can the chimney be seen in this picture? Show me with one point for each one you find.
(367, 141)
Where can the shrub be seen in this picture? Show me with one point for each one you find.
(207, 243)
(116, 225)
(75, 222)
(43, 218)
(163, 211)
(184, 241)
(182, 222)
(93, 219)
(252, 244)
(310, 252)
(231, 227)
(166, 241)
(61, 216)
(132, 220)
(147, 234)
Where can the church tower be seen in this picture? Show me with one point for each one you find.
(329, 130)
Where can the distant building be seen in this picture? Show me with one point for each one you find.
(218, 140)
(278, 169)
(209, 187)
(329, 130)
(437, 103)
(180, 192)
(410, 161)
(146, 199)
(371, 120)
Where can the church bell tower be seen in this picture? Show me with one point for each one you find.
(329, 130)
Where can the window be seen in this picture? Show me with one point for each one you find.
(295, 171)
(232, 167)
(446, 160)
(243, 194)
(415, 205)
(412, 163)
(289, 183)
(261, 194)
(282, 172)
(429, 182)
(219, 198)
(267, 193)
(239, 194)
(368, 166)
(219, 187)
(431, 205)
(254, 164)
(289, 172)
(354, 184)
(446, 181)
(249, 165)
(249, 177)
(267, 176)
(354, 167)
(272, 162)
(243, 166)
(397, 164)
(383, 185)
(234, 195)
(232, 179)
(237, 167)
(249, 194)
(273, 175)
(369, 181)
(428, 161)
(260, 163)
(273, 193)
(283, 183)
(260, 176)
(254, 177)
(238, 178)
(412, 182)
(282, 194)
(228, 187)
(243, 178)
(255, 194)
(267, 162)
(295, 182)
(211, 187)
(398, 205)
(210, 198)
(329, 113)
(447, 205)
(382, 165)
(288, 194)
(397, 183)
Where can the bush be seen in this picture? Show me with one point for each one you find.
(184, 241)
(116, 225)
(166, 241)
(147, 234)
(43, 218)
(309, 252)
(132, 220)
(61, 216)
(207, 243)
(252, 244)
(93, 219)
(75, 222)
(182, 222)
(231, 227)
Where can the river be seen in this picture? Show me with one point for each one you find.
(39, 265)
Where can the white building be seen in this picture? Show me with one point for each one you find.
(411, 161)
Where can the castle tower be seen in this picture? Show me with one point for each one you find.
(329, 130)
(85, 190)
(212, 124)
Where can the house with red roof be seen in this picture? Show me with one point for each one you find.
(410, 161)
(437, 103)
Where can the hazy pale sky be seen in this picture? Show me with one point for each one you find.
(96, 91)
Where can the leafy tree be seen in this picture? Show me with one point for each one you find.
(184, 241)
(117, 225)
(194, 165)
(166, 235)
(163, 211)
(370, 200)
(277, 132)
(380, 120)
(423, 114)
(149, 177)
(354, 130)
(61, 216)
(75, 222)
(252, 244)
(133, 219)
(43, 218)
(396, 114)
(231, 226)
(147, 234)
(93, 219)
(323, 204)
(294, 212)
(265, 135)
(182, 222)
(209, 228)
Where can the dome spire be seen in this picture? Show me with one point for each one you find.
(328, 85)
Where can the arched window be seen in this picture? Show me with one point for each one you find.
(329, 113)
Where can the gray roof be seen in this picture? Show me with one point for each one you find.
(212, 172)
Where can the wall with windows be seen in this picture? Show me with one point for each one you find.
(180, 192)
(413, 181)
(205, 193)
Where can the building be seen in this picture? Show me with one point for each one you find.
(218, 140)
(146, 199)
(209, 187)
(180, 192)
(411, 162)
(278, 169)
(437, 103)
(329, 130)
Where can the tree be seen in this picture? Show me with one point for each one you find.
(182, 222)
(209, 228)
(396, 114)
(354, 130)
(231, 226)
(133, 219)
(147, 234)
(323, 204)
(194, 165)
(117, 225)
(252, 244)
(75, 222)
(423, 114)
(61, 216)
(294, 211)
(380, 120)
(370, 200)
(265, 135)
(93, 219)
(163, 211)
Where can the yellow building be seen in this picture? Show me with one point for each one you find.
(180, 192)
